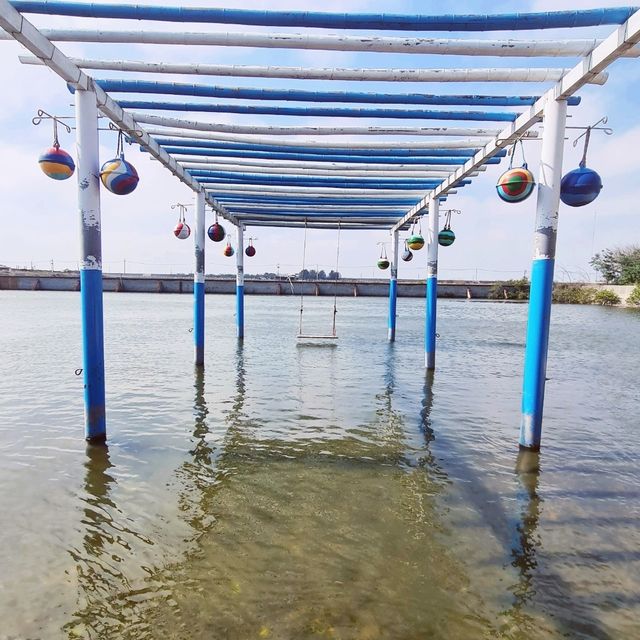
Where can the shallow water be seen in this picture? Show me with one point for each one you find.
(313, 491)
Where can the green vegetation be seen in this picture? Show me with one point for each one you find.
(606, 297)
(510, 290)
(573, 294)
(619, 266)
(634, 298)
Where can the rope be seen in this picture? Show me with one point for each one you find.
(304, 257)
(335, 285)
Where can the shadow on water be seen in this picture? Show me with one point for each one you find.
(334, 538)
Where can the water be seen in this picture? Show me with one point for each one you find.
(310, 491)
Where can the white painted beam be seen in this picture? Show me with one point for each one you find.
(432, 46)
(26, 34)
(459, 143)
(622, 40)
(196, 125)
(524, 74)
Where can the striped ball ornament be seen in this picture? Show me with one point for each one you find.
(119, 176)
(228, 251)
(182, 231)
(415, 242)
(57, 163)
(407, 256)
(515, 185)
(446, 238)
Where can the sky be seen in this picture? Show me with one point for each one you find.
(493, 239)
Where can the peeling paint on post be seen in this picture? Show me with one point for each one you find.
(432, 283)
(199, 280)
(90, 265)
(544, 251)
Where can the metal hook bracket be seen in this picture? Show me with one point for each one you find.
(43, 115)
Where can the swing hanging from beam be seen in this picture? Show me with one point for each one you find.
(332, 335)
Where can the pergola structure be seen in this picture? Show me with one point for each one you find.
(259, 175)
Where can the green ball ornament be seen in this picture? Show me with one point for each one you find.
(415, 242)
(446, 238)
(383, 264)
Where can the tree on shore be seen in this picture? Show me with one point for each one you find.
(619, 265)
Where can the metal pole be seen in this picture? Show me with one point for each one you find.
(535, 360)
(393, 288)
(88, 169)
(432, 283)
(199, 281)
(240, 283)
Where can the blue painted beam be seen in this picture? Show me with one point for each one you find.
(281, 199)
(311, 211)
(371, 21)
(355, 159)
(334, 112)
(278, 148)
(411, 186)
(300, 95)
(263, 178)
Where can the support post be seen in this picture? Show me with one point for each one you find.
(240, 283)
(546, 228)
(88, 169)
(393, 288)
(199, 281)
(432, 283)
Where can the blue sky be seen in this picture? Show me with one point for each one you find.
(494, 239)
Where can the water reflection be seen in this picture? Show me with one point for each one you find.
(106, 600)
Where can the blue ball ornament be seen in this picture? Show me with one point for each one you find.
(580, 187)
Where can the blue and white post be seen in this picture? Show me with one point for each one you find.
(88, 171)
(393, 288)
(432, 283)
(240, 282)
(198, 281)
(535, 359)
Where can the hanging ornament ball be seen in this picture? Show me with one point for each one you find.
(250, 251)
(515, 185)
(228, 251)
(182, 231)
(407, 256)
(383, 264)
(580, 187)
(216, 232)
(446, 238)
(415, 242)
(57, 163)
(119, 176)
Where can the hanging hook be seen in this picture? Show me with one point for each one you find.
(182, 210)
(587, 136)
(43, 115)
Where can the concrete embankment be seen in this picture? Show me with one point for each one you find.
(136, 283)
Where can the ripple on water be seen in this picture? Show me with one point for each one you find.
(301, 492)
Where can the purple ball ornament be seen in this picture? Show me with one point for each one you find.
(250, 251)
(56, 163)
(216, 232)
(119, 176)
